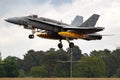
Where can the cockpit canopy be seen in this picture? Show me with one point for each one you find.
(33, 16)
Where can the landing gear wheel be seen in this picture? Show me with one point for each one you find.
(31, 36)
(71, 45)
(60, 45)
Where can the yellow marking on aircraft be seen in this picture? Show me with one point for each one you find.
(71, 34)
(45, 35)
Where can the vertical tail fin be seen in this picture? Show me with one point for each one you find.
(77, 21)
(90, 22)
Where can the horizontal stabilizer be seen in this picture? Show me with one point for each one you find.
(85, 30)
(90, 22)
(108, 35)
(77, 21)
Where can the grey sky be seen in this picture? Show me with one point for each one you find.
(14, 39)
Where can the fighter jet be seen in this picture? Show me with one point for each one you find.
(57, 30)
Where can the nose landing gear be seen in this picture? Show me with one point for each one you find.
(31, 36)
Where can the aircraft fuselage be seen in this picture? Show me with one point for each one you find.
(58, 30)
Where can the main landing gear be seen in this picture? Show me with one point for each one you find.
(71, 44)
(60, 45)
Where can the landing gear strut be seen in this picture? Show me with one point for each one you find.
(31, 36)
(60, 45)
(71, 44)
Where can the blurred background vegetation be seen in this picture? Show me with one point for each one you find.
(102, 63)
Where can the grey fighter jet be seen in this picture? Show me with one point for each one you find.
(57, 30)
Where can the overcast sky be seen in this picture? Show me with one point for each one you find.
(14, 39)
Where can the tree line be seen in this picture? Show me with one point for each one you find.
(55, 63)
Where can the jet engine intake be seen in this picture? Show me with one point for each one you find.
(28, 27)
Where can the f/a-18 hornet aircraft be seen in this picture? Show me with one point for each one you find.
(57, 30)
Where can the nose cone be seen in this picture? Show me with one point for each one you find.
(8, 20)
(13, 20)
